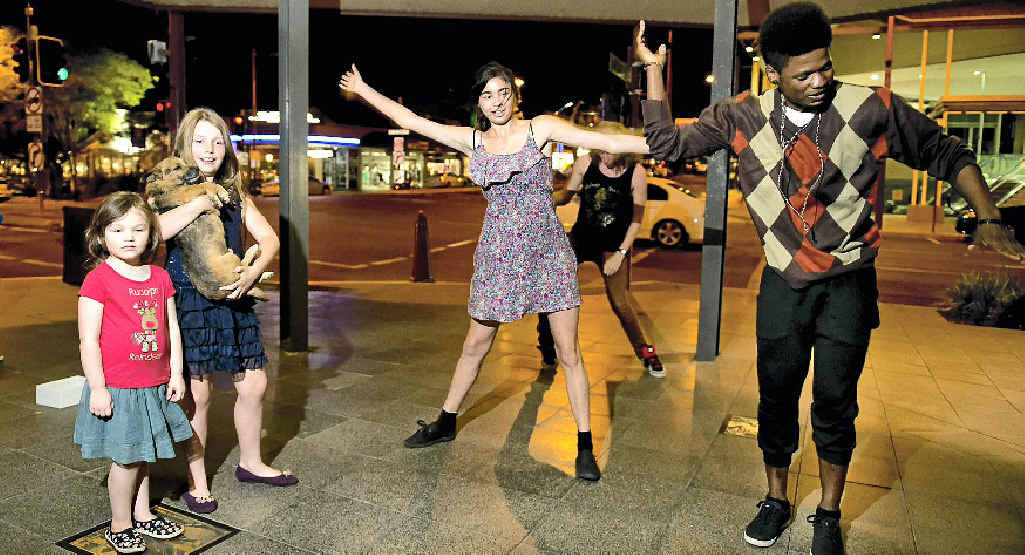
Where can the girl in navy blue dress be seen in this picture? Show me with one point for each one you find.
(221, 336)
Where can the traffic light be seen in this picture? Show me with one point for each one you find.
(20, 59)
(51, 61)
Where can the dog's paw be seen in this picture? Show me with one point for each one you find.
(224, 195)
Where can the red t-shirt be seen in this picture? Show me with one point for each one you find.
(133, 336)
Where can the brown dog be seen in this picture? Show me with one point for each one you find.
(205, 254)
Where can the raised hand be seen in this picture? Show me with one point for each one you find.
(641, 51)
(352, 82)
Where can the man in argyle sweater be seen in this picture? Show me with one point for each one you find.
(809, 152)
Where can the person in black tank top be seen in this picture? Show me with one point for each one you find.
(613, 191)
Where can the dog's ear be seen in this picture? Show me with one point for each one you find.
(191, 176)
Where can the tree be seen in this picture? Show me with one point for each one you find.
(100, 82)
(11, 87)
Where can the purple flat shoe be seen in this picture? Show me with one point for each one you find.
(203, 504)
(281, 480)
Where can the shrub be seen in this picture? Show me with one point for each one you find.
(994, 299)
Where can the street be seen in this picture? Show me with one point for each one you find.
(369, 238)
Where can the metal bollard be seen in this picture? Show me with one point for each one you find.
(421, 252)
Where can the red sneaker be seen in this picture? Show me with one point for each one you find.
(652, 363)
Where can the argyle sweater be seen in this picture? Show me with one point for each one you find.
(859, 129)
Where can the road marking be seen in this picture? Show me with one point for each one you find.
(933, 241)
(35, 262)
(25, 229)
(339, 265)
(5, 257)
(389, 261)
(644, 254)
(461, 243)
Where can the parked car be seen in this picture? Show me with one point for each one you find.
(273, 188)
(672, 217)
(5, 193)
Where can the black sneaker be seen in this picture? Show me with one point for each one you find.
(827, 539)
(772, 519)
(428, 434)
(586, 466)
(651, 362)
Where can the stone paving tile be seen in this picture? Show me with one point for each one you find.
(324, 522)
(927, 467)
(14, 539)
(874, 520)
(362, 437)
(57, 510)
(710, 521)
(487, 508)
(406, 534)
(576, 528)
(252, 543)
(945, 524)
(21, 473)
(734, 465)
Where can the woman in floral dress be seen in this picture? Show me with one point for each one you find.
(523, 263)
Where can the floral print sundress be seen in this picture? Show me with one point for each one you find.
(523, 263)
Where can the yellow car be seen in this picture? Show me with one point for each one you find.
(273, 188)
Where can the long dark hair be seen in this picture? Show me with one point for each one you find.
(114, 206)
(481, 77)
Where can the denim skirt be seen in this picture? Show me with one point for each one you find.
(143, 426)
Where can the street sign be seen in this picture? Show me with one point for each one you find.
(34, 101)
(398, 151)
(34, 123)
(35, 156)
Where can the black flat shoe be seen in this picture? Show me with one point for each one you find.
(587, 467)
(428, 435)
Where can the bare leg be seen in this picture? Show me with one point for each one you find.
(833, 477)
(479, 339)
(777, 477)
(198, 406)
(121, 487)
(567, 345)
(249, 422)
(142, 508)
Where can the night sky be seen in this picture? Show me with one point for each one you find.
(427, 62)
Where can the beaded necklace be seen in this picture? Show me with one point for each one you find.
(785, 143)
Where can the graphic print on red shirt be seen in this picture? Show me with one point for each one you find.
(133, 335)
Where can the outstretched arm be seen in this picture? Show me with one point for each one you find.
(971, 185)
(551, 128)
(456, 137)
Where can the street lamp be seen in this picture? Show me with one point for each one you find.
(982, 79)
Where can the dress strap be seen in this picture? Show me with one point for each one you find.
(473, 133)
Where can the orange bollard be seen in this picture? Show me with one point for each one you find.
(421, 252)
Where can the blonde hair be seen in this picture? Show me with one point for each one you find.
(616, 128)
(114, 207)
(228, 174)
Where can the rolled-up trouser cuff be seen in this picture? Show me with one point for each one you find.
(778, 460)
(839, 458)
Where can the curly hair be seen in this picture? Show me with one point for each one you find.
(113, 208)
(481, 77)
(791, 30)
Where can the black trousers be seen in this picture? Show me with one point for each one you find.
(836, 316)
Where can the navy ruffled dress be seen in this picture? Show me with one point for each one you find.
(218, 335)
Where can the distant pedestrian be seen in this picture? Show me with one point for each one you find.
(613, 190)
(221, 336)
(132, 360)
(809, 152)
(524, 263)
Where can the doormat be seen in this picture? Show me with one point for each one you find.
(200, 534)
(742, 426)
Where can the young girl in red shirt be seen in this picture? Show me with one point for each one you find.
(132, 360)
